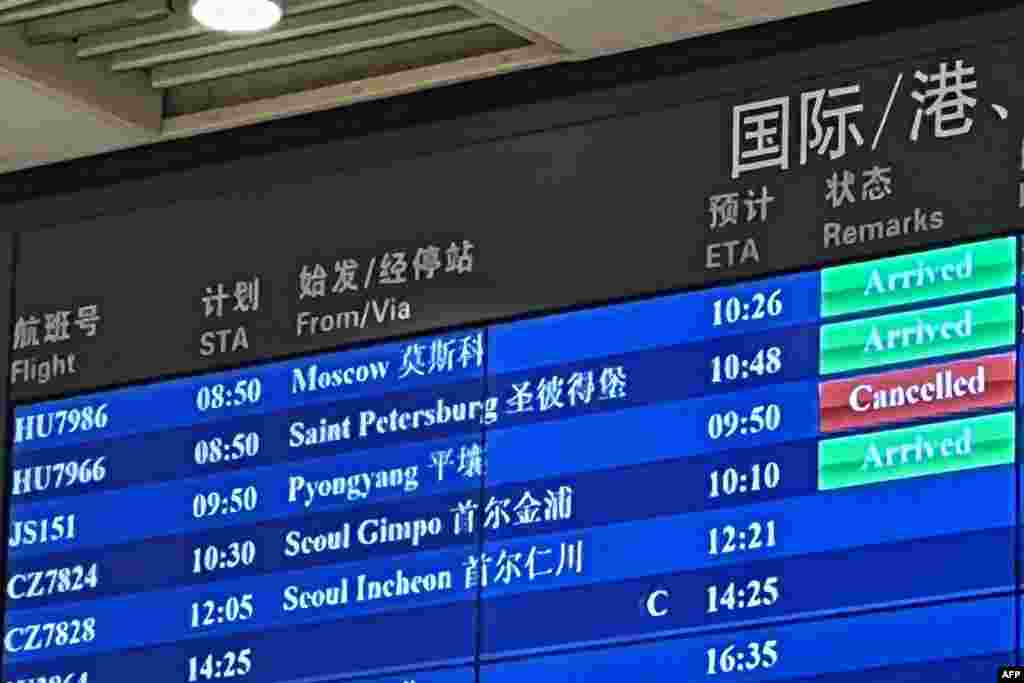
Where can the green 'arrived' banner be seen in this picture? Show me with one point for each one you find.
(915, 278)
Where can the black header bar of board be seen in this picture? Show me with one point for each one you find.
(883, 145)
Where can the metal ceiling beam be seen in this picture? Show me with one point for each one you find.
(122, 99)
(16, 11)
(318, 47)
(345, 68)
(376, 87)
(75, 24)
(176, 27)
(11, 4)
(501, 20)
(290, 28)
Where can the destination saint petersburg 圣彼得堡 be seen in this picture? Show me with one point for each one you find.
(728, 483)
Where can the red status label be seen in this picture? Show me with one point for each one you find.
(928, 391)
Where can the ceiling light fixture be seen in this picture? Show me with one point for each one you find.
(238, 16)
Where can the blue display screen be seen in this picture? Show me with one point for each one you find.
(808, 477)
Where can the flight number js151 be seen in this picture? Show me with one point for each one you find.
(40, 531)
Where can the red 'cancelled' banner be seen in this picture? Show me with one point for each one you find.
(929, 391)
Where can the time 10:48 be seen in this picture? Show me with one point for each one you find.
(733, 366)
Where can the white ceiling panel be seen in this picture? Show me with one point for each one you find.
(588, 27)
(591, 27)
(40, 127)
(56, 108)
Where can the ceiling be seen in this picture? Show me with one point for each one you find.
(80, 77)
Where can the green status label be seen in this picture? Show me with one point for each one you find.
(916, 451)
(917, 335)
(929, 275)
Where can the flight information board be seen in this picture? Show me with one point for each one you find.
(757, 478)
(708, 378)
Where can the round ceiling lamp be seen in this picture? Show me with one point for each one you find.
(238, 16)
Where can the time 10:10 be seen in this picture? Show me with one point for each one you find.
(731, 481)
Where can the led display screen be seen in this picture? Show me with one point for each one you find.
(803, 475)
